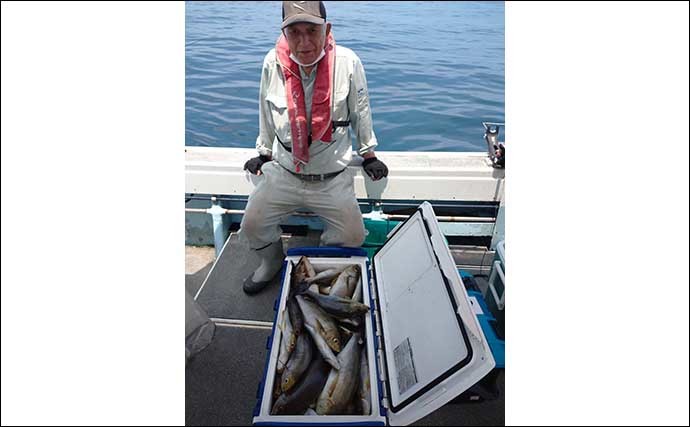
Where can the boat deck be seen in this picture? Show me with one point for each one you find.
(222, 380)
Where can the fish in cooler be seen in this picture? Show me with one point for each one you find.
(341, 383)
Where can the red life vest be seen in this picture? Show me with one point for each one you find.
(321, 125)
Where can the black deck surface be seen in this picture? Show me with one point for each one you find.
(222, 295)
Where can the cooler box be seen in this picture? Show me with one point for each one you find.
(427, 343)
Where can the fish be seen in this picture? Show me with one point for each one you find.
(344, 285)
(324, 290)
(293, 273)
(346, 335)
(352, 324)
(325, 275)
(320, 321)
(301, 287)
(295, 316)
(350, 408)
(339, 307)
(323, 347)
(301, 396)
(302, 271)
(340, 384)
(357, 294)
(276, 389)
(363, 393)
(298, 363)
(287, 342)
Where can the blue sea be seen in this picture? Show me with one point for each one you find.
(435, 70)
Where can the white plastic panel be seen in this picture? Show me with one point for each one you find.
(434, 346)
(422, 336)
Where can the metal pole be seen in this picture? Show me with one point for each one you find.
(218, 230)
(195, 210)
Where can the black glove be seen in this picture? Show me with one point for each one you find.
(375, 168)
(500, 159)
(254, 164)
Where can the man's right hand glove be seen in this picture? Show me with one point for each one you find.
(254, 164)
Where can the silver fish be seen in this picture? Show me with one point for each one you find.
(336, 306)
(325, 275)
(323, 347)
(276, 389)
(340, 384)
(353, 323)
(302, 271)
(301, 396)
(324, 290)
(344, 285)
(357, 294)
(295, 316)
(322, 323)
(350, 409)
(346, 334)
(287, 342)
(298, 363)
(363, 396)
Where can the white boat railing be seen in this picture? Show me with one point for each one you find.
(413, 177)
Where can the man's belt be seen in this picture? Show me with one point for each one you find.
(315, 178)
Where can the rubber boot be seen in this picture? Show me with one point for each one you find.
(271, 257)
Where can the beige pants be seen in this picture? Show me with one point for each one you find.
(280, 194)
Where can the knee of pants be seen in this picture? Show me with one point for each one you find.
(354, 237)
(249, 226)
(254, 230)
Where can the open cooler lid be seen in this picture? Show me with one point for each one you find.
(433, 346)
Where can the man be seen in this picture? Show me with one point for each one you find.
(311, 92)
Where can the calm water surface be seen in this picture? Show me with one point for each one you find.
(435, 69)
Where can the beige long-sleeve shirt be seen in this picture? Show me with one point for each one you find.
(350, 99)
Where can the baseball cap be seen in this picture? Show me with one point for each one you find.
(303, 11)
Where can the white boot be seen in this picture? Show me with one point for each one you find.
(272, 257)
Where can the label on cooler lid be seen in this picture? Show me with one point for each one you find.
(404, 365)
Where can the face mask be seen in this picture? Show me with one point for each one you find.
(294, 58)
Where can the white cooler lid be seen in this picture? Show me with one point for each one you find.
(433, 345)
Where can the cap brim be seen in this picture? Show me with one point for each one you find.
(303, 17)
